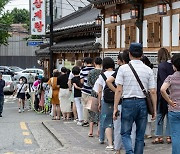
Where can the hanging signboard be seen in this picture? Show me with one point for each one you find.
(38, 25)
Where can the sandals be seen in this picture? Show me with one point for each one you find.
(158, 140)
(168, 140)
(90, 135)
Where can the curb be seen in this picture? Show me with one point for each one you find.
(56, 135)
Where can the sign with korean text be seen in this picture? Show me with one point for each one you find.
(38, 24)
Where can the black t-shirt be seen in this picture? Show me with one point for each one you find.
(62, 80)
(76, 80)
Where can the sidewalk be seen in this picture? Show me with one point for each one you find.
(74, 139)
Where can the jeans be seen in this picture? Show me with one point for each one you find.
(117, 132)
(133, 111)
(106, 118)
(159, 126)
(174, 121)
(1, 104)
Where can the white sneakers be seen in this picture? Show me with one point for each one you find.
(79, 123)
(110, 148)
(19, 110)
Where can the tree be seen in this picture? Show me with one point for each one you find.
(20, 16)
(5, 22)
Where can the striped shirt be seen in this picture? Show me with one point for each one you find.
(126, 78)
(174, 90)
(83, 75)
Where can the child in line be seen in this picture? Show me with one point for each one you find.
(77, 93)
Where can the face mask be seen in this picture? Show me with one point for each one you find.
(20, 81)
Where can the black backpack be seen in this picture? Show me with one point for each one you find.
(108, 93)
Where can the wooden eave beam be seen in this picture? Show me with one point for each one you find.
(103, 4)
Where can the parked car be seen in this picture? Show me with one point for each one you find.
(25, 73)
(15, 68)
(10, 85)
(6, 70)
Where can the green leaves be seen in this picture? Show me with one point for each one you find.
(16, 16)
(5, 22)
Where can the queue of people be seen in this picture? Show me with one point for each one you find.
(124, 121)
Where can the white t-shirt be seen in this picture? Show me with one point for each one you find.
(126, 78)
(71, 76)
(100, 81)
(23, 88)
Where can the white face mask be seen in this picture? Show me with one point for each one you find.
(20, 81)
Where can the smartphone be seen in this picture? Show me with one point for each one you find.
(117, 114)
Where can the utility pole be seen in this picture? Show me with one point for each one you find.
(51, 36)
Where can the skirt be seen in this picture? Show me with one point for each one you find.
(64, 97)
(21, 96)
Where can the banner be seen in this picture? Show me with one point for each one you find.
(38, 24)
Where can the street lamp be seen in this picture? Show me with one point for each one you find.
(113, 17)
(134, 12)
(162, 7)
(98, 20)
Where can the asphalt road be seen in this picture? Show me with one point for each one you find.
(24, 132)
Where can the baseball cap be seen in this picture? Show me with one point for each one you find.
(135, 48)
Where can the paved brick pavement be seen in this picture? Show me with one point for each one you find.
(75, 140)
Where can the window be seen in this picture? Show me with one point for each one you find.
(130, 34)
(153, 33)
(112, 37)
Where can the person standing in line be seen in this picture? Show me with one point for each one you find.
(86, 89)
(92, 77)
(77, 94)
(64, 94)
(106, 109)
(124, 56)
(134, 108)
(71, 88)
(31, 80)
(148, 133)
(55, 96)
(20, 90)
(164, 69)
(2, 85)
(172, 83)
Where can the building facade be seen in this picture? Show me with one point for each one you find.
(17, 52)
(148, 27)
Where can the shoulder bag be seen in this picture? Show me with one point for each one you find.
(146, 93)
(50, 89)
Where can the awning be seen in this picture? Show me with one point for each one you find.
(86, 45)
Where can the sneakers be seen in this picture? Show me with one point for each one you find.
(85, 124)
(22, 110)
(110, 148)
(19, 110)
(0, 115)
(79, 123)
(101, 142)
(76, 120)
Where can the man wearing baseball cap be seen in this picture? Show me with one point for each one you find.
(134, 108)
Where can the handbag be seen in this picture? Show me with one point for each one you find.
(50, 89)
(92, 104)
(146, 93)
(28, 95)
(20, 90)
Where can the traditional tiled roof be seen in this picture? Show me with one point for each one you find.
(84, 16)
(43, 52)
(103, 3)
(85, 45)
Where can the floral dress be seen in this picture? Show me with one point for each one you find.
(92, 77)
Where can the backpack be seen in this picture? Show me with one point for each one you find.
(108, 93)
